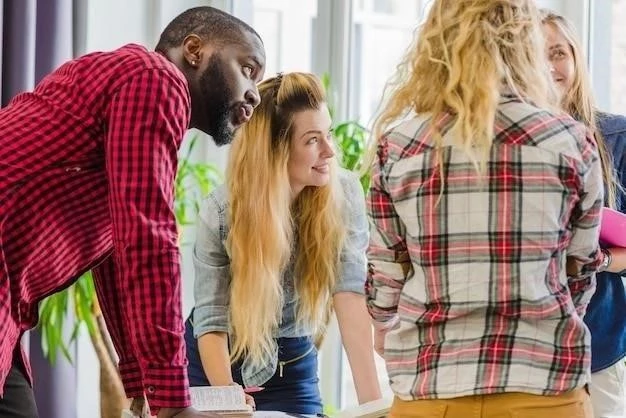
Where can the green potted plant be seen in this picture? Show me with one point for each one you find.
(351, 139)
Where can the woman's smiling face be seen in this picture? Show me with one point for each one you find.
(561, 58)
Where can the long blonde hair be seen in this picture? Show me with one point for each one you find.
(579, 101)
(267, 229)
(466, 53)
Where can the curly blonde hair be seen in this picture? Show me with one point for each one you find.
(465, 54)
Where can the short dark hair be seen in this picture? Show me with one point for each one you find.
(211, 24)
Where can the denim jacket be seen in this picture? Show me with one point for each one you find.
(605, 314)
(212, 271)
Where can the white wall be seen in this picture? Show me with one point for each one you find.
(572, 9)
(114, 23)
(599, 56)
(551, 4)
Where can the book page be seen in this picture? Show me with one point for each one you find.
(218, 398)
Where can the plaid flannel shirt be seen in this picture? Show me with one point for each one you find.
(474, 267)
(87, 167)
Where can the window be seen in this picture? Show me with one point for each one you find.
(382, 30)
(618, 58)
(278, 22)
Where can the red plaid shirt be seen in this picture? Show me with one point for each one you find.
(475, 267)
(87, 165)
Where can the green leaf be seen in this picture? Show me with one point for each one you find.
(351, 139)
(194, 181)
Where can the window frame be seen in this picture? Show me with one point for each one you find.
(599, 35)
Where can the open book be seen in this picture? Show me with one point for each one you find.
(373, 409)
(226, 400)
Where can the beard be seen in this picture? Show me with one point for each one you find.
(216, 96)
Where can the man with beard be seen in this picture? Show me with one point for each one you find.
(87, 165)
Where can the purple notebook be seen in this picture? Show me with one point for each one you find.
(613, 228)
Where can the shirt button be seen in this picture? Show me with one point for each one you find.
(151, 389)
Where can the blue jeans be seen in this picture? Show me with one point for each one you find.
(292, 389)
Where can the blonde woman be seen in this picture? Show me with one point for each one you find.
(280, 245)
(485, 208)
(605, 314)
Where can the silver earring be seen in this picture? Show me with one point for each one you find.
(194, 63)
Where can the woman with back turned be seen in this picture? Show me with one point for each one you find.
(485, 208)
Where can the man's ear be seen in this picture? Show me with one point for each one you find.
(192, 50)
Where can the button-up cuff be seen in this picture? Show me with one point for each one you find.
(131, 378)
(166, 388)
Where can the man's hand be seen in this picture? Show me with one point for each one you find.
(185, 413)
(139, 407)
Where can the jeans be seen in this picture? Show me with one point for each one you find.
(18, 400)
(293, 387)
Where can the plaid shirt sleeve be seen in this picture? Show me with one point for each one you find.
(583, 247)
(387, 253)
(112, 311)
(147, 119)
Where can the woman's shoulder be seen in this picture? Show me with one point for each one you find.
(350, 183)
(217, 199)
(611, 124)
(213, 208)
(352, 195)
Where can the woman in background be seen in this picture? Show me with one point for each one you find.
(485, 209)
(605, 314)
(277, 248)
